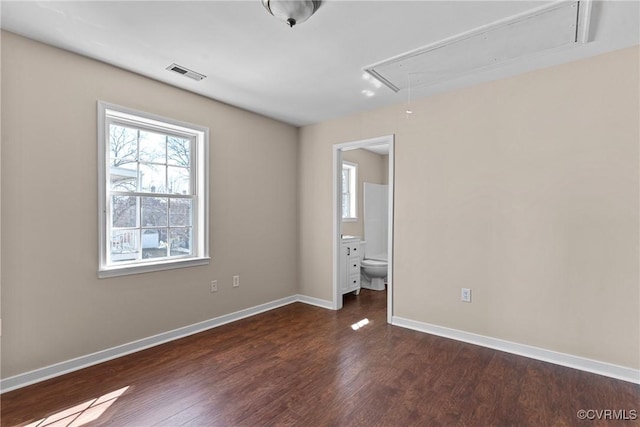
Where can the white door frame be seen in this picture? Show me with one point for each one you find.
(337, 216)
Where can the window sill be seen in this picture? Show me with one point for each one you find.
(349, 219)
(148, 268)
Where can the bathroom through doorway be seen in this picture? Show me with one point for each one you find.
(363, 241)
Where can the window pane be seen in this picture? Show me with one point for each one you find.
(178, 180)
(179, 212)
(124, 177)
(152, 178)
(154, 211)
(345, 206)
(180, 241)
(178, 151)
(123, 146)
(125, 245)
(123, 211)
(345, 180)
(153, 147)
(154, 243)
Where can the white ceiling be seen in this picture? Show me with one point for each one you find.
(301, 75)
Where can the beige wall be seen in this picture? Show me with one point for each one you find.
(523, 189)
(54, 307)
(370, 169)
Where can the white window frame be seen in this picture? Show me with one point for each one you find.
(108, 113)
(352, 215)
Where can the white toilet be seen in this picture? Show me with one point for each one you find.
(373, 269)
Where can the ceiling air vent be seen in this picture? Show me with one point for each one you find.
(186, 72)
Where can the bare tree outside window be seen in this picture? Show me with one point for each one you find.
(123, 144)
(179, 151)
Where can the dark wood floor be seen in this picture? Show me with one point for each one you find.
(305, 366)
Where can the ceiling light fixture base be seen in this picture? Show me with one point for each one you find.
(292, 12)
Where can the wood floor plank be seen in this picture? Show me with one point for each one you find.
(301, 365)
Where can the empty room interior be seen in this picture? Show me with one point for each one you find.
(320, 213)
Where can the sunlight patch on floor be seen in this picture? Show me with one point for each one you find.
(360, 324)
(82, 413)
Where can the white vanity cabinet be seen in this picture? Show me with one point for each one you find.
(350, 265)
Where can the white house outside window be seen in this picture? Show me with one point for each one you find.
(153, 192)
(349, 196)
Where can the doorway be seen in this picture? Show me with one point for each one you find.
(383, 142)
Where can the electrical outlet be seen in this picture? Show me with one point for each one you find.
(236, 281)
(465, 295)
(214, 286)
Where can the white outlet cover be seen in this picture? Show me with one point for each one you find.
(465, 295)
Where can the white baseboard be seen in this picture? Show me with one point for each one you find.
(315, 301)
(576, 362)
(67, 366)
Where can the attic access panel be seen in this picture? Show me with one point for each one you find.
(551, 27)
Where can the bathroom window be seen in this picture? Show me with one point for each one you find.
(349, 195)
(153, 192)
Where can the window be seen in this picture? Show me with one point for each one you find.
(153, 192)
(349, 195)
